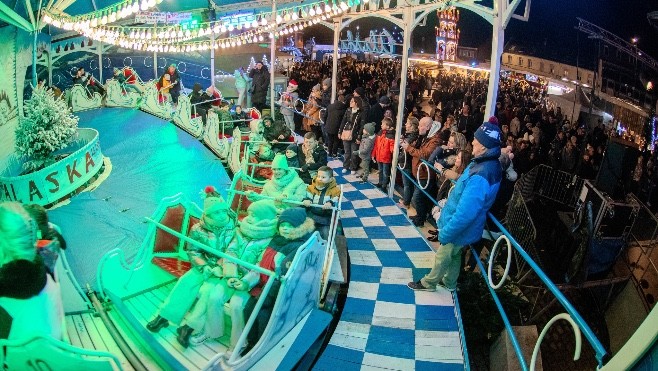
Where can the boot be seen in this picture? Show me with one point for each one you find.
(184, 333)
(158, 323)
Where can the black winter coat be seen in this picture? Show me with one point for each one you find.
(335, 113)
(352, 120)
(259, 85)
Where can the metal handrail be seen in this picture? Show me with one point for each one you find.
(601, 353)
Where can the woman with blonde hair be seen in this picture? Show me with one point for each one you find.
(30, 299)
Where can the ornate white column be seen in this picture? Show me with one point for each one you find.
(497, 44)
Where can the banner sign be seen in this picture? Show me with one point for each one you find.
(58, 180)
(162, 17)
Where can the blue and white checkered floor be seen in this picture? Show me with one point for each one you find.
(384, 325)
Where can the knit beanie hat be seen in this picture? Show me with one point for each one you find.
(385, 100)
(326, 82)
(360, 91)
(214, 206)
(262, 209)
(280, 162)
(295, 216)
(370, 128)
(488, 135)
(293, 147)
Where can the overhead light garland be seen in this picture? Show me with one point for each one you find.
(178, 38)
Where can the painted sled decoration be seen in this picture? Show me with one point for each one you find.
(151, 102)
(213, 137)
(78, 99)
(117, 96)
(183, 117)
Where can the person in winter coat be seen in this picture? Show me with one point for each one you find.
(260, 83)
(285, 184)
(335, 113)
(287, 104)
(410, 135)
(376, 112)
(312, 109)
(294, 229)
(214, 229)
(240, 85)
(49, 241)
(312, 157)
(365, 150)
(292, 156)
(323, 191)
(350, 133)
(464, 214)
(175, 83)
(383, 152)
(252, 237)
(324, 102)
(30, 299)
(275, 132)
(421, 149)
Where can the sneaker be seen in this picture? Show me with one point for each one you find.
(198, 338)
(441, 285)
(418, 286)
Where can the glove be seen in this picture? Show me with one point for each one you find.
(305, 167)
(217, 271)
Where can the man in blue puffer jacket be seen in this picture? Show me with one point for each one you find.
(463, 216)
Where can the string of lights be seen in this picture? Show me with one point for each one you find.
(180, 38)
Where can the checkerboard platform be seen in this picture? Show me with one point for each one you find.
(384, 325)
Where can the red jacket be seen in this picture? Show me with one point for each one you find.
(384, 145)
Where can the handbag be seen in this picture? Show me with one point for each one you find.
(346, 135)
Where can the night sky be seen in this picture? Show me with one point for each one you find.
(550, 31)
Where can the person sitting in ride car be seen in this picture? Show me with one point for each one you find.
(215, 229)
(285, 185)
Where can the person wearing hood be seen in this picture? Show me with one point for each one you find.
(421, 149)
(383, 152)
(312, 157)
(365, 151)
(285, 184)
(215, 229)
(30, 299)
(260, 84)
(323, 191)
(294, 229)
(252, 237)
(241, 82)
(287, 104)
(465, 212)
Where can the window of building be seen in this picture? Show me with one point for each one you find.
(520, 61)
(509, 59)
(566, 73)
(541, 66)
(552, 68)
(529, 63)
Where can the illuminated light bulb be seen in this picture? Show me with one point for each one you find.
(46, 18)
(113, 17)
(223, 28)
(318, 10)
(278, 18)
(343, 6)
(180, 33)
(230, 27)
(104, 20)
(263, 21)
(271, 35)
(149, 35)
(327, 8)
(135, 8)
(254, 24)
(239, 43)
(311, 12)
(188, 33)
(260, 38)
(286, 17)
(296, 28)
(151, 3)
(216, 29)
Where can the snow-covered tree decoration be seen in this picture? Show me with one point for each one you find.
(252, 64)
(265, 62)
(47, 126)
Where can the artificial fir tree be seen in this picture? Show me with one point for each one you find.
(47, 126)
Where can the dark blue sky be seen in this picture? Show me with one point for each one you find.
(550, 31)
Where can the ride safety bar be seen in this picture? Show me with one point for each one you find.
(213, 251)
